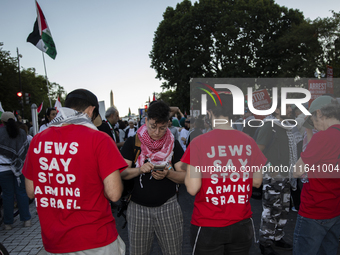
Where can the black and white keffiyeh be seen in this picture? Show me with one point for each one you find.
(14, 150)
(70, 116)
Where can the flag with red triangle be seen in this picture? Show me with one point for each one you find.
(40, 107)
(154, 97)
(57, 104)
(1, 110)
(41, 36)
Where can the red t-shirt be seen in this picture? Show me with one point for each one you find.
(224, 196)
(320, 197)
(67, 166)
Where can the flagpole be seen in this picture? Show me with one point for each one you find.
(48, 91)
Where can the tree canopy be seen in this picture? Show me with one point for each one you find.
(239, 38)
(31, 83)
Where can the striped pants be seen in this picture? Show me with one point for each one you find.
(166, 221)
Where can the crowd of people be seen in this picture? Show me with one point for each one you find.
(74, 172)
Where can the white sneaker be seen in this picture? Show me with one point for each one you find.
(7, 227)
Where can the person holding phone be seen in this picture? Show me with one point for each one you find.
(155, 168)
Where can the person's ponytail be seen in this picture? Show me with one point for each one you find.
(12, 128)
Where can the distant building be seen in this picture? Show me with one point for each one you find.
(111, 99)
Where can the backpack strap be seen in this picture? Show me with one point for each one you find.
(128, 185)
(136, 149)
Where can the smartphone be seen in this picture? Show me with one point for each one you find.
(159, 167)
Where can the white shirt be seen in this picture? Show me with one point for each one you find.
(132, 132)
(184, 133)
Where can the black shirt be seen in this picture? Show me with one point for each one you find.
(148, 191)
(104, 127)
(196, 132)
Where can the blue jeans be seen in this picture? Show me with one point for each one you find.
(9, 185)
(319, 237)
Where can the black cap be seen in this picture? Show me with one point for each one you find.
(84, 94)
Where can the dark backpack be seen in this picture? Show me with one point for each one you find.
(128, 185)
(257, 192)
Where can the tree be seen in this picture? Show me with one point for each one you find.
(9, 80)
(228, 38)
(31, 83)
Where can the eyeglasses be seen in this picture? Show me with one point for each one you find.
(154, 127)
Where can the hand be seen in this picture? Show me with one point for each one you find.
(146, 168)
(160, 175)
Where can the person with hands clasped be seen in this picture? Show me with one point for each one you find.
(154, 166)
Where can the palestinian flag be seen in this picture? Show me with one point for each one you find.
(57, 104)
(41, 36)
(1, 110)
(40, 107)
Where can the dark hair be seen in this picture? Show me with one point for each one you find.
(225, 110)
(12, 128)
(80, 99)
(48, 112)
(24, 127)
(77, 104)
(121, 124)
(159, 111)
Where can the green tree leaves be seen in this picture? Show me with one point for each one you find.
(31, 82)
(244, 38)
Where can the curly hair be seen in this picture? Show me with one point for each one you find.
(159, 111)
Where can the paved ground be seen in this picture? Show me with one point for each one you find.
(21, 240)
(24, 241)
